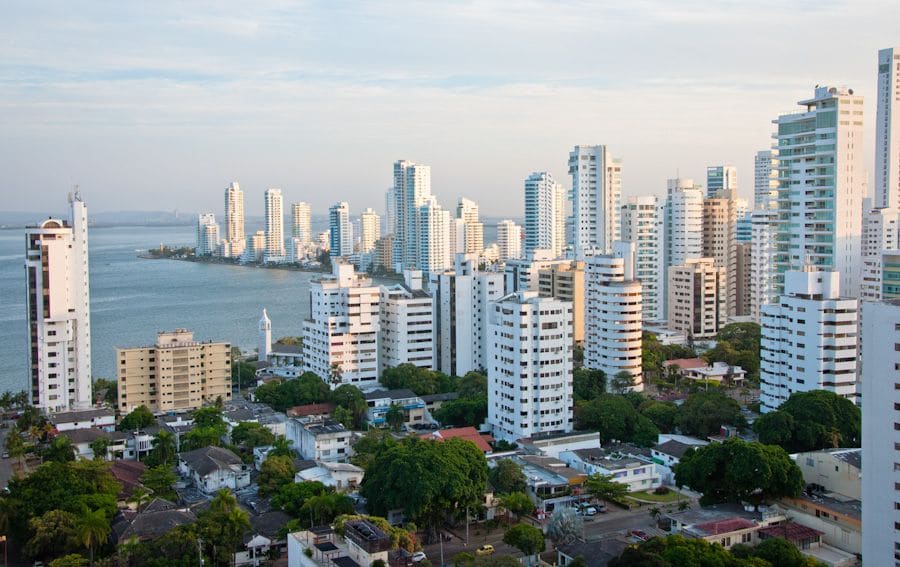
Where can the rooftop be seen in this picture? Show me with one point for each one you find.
(310, 409)
(401, 394)
(209, 459)
(719, 527)
(792, 532)
(466, 433)
(445, 397)
(324, 428)
(686, 363)
(281, 348)
(674, 448)
(608, 460)
(79, 416)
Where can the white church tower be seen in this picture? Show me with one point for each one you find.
(265, 337)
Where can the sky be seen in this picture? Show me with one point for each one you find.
(159, 105)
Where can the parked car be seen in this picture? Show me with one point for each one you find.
(639, 534)
(419, 556)
(486, 549)
(589, 511)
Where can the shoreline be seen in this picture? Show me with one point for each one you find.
(227, 262)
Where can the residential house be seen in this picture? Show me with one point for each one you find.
(343, 477)
(262, 538)
(550, 482)
(433, 402)
(312, 412)
(103, 418)
(833, 470)
(83, 438)
(366, 542)
(380, 401)
(552, 444)
(725, 524)
(595, 553)
(319, 440)
(699, 369)
(636, 471)
(213, 468)
(668, 453)
(809, 542)
(482, 441)
(157, 518)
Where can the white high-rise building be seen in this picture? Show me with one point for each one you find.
(529, 366)
(340, 338)
(301, 222)
(256, 247)
(509, 239)
(881, 232)
(207, 234)
(719, 232)
(545, 214)
(821, 182)
(472, 234)
(522, 274)
(435, 245)
(370, 230)
(596, 199)
(340, 230)
(235, 238)
(407, 324)
(265, 338)
(274, 213)
(682, 229)
(721, 181)
(887, 130)
(880, 432)
(696, 303)
(59, 315)
(809, 339)
(765, 180)
(642, 225)
(412, 188)
(461, 299)
(613, 314)
(763, 291)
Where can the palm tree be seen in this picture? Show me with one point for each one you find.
(281, 447)
(139, 496)
(164, 447)
(15, 445)
(655, 513)
(335, 372)
(93, 529)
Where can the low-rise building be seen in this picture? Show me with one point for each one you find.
(725, 524)
(668, 453)
(636, 472)
(838, 518)
(343, 477)
(551, 445)
(833, 471)
(466, 433)
(380, 401)
(103, 418)
(214, 468)
(809, 542)
(324, 440)
(366, 542)
(157, 518)
(699, 369)
(550, 482)
(312, 412)
(433, 402)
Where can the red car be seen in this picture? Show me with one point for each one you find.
(639, 534)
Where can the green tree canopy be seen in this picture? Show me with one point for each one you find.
(250, 435)
(810, 421)
(160, 481)
(664, 415)
(527, 539)
(52, 533)
(622, 382)
(139, 418)
(704, 413)
(372, 444)
(60, 449)
(463, 412)
(222, 527)
(420, 380)
(603, 487)
(283, 394)
(615, 418)
(163, 449)
(588, 384)
(275, 472)
(395, 417)
(290, 498)
(507, 477)
(518, 503)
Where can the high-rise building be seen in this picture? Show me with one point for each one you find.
(763, 291)
(265, 338)
(256, 247)
(880, 432)
(890, 275)
(721, 181)
(274, 212)
(389, 219)
(207, 234)
(509, 239)
(412, 188)
(881, 232)
(472, 237)
(529, 366)
(821, 182)
(565, 281)
(59, 314)
(642, 225)
(340, 230)
(765, 180)
(461, 299)
(613, 314)
(808, 339)
(340, 338)
(596, 199)
(301, 222)
(370, 225)
(719, 232)
(545, 214)
(682, 230)
(235, 238)
(407, 330)
(696, 302)
(176, 373)
(522, 274)
(434, 234)
(887, 130)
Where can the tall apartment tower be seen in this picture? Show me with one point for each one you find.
(887, 130)
(388, 220)
(682, 230)
(434, 244)
(719, 232)
(809, 339)
(565, 281)
(264, 346)
(613, 314)
(340, 230)
(412, 188)
(529, 366)
(59, 315)
(881, 233)
(235, 238)
(472, 228)
(696, 303)
(642, 225)
(545, 214)
(370, 230)
(509, 239)
(821, 184)
(596, 199)
(765, 180)
(207, 235)
(176, 373)
(407, 330)
(721, 181)
(880, 441)
(763, 248)
(340, 338)
(274, 211)
(301, 222)
(461, 299)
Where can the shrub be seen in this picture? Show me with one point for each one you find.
(662, 490)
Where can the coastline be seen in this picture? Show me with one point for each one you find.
(229, 262)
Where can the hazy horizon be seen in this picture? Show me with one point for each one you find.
(142, 107)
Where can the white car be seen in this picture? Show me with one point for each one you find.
(419, 556)
(589, 511)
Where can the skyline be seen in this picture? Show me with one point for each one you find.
(268, 97)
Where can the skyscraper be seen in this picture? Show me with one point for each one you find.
(274, 212)
(763, 248)
(696, 302)
(412, 187)
(683, 230)
(887, 130)
(596, 199)
(59, 319)
(765, 180)
(721, 181)
(472, 229)
(370, 230)
(545, 214)
(434, 245)
(235, 238)
(719, 231)
(301, 222)
(820, 186)
(642, 225)
(340, 230)
(509, 239)
(207, 234)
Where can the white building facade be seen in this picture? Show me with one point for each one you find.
(545, 214)
(434, 234)
(274, 216)
(596, 199)
(642, 225)
(406, 317)
(763, 248)
(235, 238)
(370, 230)
(721, 181)
(765, 180)
(301, 222)
(340, 230)
(207, 235)
(412, 187)
(509, 240)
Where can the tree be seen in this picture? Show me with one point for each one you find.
(463, 412)
(372, 444)
(565, 526)
(351, 402)
(737, 344)
(92, 529)
(222, 527)
(622, 382)
(281, 447)
(472, 385)
(420, 380)
(507, 477)
(779, 551)
(275, 472)
(704, 413)
(395, 417)
(71, 560)
(249, 435)
(343, 416)
(527, 539)
(588, 384)
(163, 449)
(200, 437)
(100, 448)
(517, 502)
(61, 449)
(53, 533)
(663, 414)
(739, 471)
(15, 446)
(615, 418)
(290, 498)
(603, 487)
(139, 418)
(160, 480)
(812, 420)
(209, 416)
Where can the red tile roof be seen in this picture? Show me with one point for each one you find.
(686, 363)
(791, 532)
(725, 526)
(310, 409)
(128, 473)
(467, 433)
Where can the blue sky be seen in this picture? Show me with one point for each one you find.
(160, 105)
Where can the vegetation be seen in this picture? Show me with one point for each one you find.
(243, 374)
(664, 415)
(275, 472)
(249, 435)
(739, 471)
(163, 450)
(108, 389)
(810, 421)
(160, 481)
(372, 444)
(516, 503)
(654, 353)
(420, 380)
(209, 429)
(565, 526)
(588, 384)
(395, 417)
(704, 413)
(677, 551)
(310, 503)
(527, 539)
(603, 487)
(283, 394)
(470, 409)
(615, 418)
(139, 418)
(507, 477)
(737, 344)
